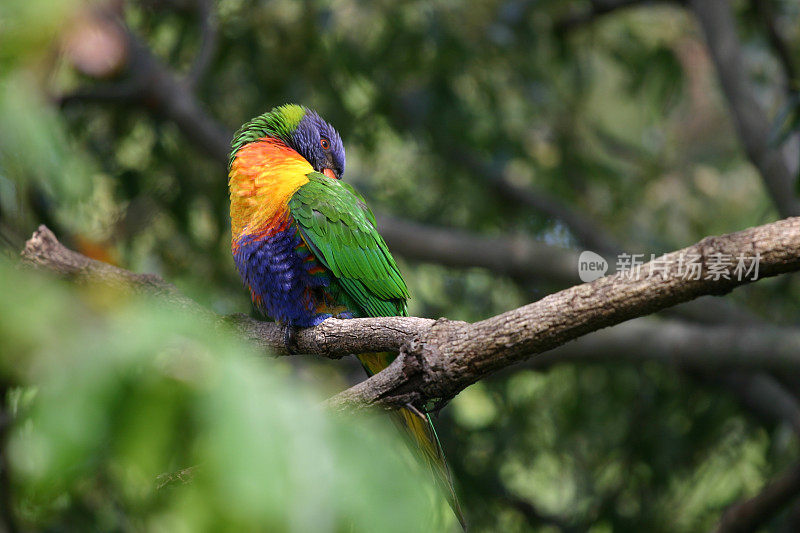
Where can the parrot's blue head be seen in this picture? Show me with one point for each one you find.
(300, 128)
(320, 144)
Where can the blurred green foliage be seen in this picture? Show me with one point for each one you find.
(621, 120)
(113, 393)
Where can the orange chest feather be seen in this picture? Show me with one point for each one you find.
(263, 177)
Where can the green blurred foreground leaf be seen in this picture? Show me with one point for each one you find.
(113, 391)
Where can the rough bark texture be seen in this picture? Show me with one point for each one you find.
(449, 356)
(44, 251)
(437, 359)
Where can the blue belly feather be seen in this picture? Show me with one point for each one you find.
(277, 271)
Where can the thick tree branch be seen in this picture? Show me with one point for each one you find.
(671, 341)
(438, 359)
(698, 347)
(452, 355)
(43, 251)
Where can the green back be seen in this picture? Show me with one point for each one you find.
(338, 226)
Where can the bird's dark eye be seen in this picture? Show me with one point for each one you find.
(325, 143)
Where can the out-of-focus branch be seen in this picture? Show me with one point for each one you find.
(534, 516)
(704, 351)
(517, 257)
(764, 396)
(172, 99)
(702, 348)
(108, 93)
(586, 231)
(752, 124)
(749, 514)
(598, 9)
(153, 85)
(208, 42)
(776, 41)
(205, 13)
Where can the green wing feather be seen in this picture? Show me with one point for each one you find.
(338, 226)
(340, 229)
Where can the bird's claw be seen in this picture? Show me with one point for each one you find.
(290, 338)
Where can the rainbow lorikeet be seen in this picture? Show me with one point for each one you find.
(306, 245)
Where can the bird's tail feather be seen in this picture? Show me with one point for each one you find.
(419, 428)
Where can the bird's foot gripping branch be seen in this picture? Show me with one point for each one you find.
(440, 358)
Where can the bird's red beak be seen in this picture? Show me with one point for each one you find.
(328, 172)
